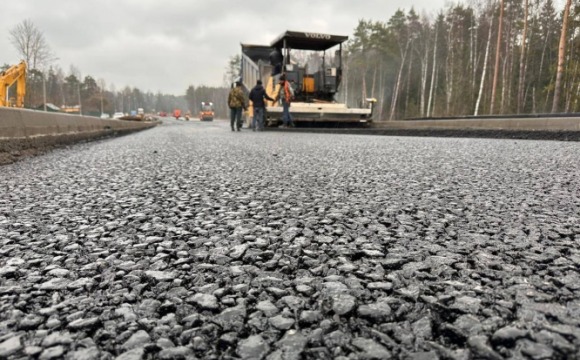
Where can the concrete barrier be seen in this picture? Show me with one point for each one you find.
(27, 132)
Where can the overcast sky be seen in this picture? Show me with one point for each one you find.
(167, 45)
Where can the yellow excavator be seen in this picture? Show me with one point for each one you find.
(13, 75)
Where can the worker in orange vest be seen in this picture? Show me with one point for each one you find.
(286, 94)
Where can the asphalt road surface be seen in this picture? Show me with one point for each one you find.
(192, 241)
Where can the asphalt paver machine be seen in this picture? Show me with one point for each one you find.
(315, 83)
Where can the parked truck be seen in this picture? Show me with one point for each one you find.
(315, 87)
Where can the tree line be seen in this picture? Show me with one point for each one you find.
(68, 90)
(47, 82)
(494, 57)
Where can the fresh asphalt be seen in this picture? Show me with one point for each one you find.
(188, 240)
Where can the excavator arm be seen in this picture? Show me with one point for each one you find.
(15, 74)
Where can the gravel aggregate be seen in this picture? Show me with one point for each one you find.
(190, 241)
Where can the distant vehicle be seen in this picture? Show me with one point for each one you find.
(162, 113)
(177, 113)
(135, 115)
(118, 115)
(105, 116)
(206, 113)
(187, 115)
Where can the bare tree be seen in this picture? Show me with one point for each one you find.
(31, 44)
(449, 65)
(232, 70)
(434, 69)
(398, 83)
(561, 55)
(508, 62)
(497, 56)
(476, 112)
(521, 80)
(74, 71)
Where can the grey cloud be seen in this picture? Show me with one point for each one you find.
(168, 45)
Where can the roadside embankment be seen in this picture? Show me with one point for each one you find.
(544, 128)
(527, 124)
(27, 132)
(548, 128)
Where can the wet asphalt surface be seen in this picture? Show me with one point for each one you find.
(190, 241)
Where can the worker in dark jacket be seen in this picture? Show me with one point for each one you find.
(257, 96)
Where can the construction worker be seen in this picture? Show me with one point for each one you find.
(257, 96)
(236, 102)
(286, 94)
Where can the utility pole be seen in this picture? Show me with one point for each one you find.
(44, 90)
(79, 96)
(102, 85)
